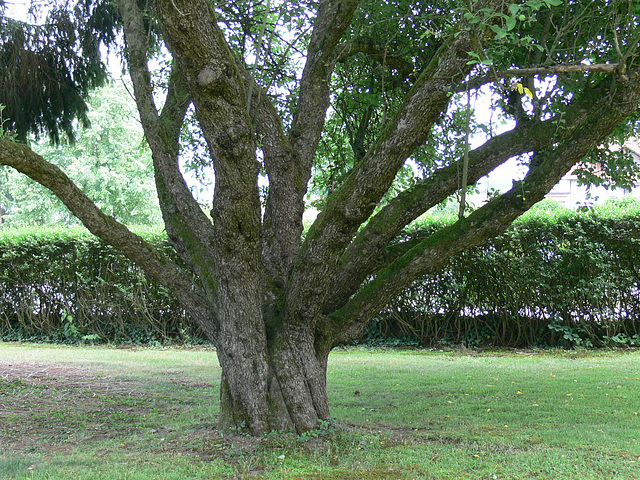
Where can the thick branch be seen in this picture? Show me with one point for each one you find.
(433, 253)
(349, 206)
(215, 83)
(332, 20)
(363, 253)
(282, 220)
(289, 176)
(23, 159)
(216, 86)
(559, 69)
(189, 230)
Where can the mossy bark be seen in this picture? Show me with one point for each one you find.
(289, 394)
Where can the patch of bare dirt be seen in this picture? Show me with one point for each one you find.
(53, 407)
(188, 384)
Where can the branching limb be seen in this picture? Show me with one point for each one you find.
(362, 256)
(188, 228)
(289, 171)
(282, 220)
(182, 215)
(434, 252)
(351, 204)
(332, 20)
(216, 86)
(23, 159)
(218, 90)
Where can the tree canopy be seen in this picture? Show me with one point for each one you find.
(369, 105)
(49, 66)
(110, 162)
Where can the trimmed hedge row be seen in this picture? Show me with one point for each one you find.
(553, 279)
(65, 285)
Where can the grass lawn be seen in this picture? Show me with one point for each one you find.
(109, 413)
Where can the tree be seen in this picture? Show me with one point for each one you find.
(273, 302)
(110, 162)
(49, 68)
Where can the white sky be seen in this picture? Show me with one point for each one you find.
(500, 179)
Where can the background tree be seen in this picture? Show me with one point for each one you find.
(48, 67)
(275, 304)
(110, 162)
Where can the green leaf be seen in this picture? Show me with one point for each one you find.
(500, 32)
(514, 9)
(535, 4)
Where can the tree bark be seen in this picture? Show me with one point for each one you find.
(268, 383)
(614, 102)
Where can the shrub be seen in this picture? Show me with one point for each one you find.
(556, 277)
(65, 285)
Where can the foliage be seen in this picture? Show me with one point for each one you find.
(555, 278)
(64, 285)
(109, 161)
(48, 68)
(3, 131)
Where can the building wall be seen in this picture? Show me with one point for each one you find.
(571, 195)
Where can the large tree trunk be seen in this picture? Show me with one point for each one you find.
(280, 388)
(280, 305)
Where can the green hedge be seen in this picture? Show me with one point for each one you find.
(555, 278)
(65, 285)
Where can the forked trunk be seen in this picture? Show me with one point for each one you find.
(290, 394)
